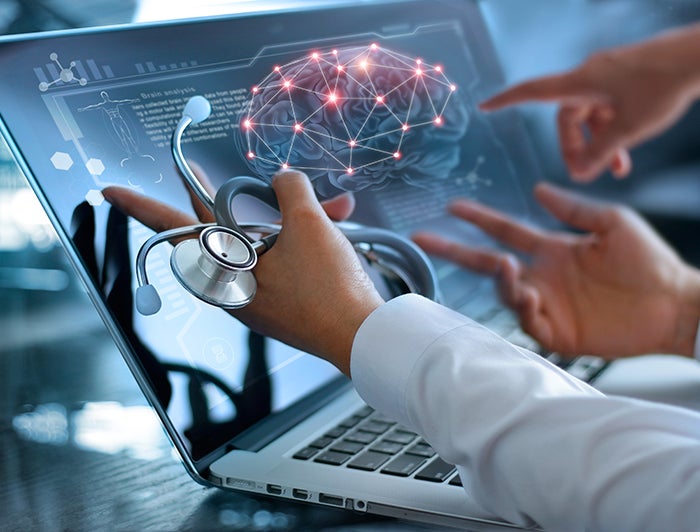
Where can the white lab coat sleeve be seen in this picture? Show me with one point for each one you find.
(532, 443)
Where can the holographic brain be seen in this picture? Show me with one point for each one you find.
(354, 118)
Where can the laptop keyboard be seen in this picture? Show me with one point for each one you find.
(369, 441)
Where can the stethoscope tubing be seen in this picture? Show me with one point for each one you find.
(395, 255)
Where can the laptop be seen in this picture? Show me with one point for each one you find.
(85, 109)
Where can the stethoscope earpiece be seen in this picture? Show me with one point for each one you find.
(147, 300)
(217, 267)
(197, 109)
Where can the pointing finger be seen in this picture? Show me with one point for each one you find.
(504, 229)
(558, 87)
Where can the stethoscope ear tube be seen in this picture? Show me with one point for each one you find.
(218, 270)
(240, 185)
(397, 254)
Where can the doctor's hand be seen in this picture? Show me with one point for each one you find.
(312, 291)
(617, 290)
(616, 100)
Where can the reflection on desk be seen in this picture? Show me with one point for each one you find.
(81, 450)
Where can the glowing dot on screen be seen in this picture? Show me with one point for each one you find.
(335, 52)
(438, 120)
(419, 72)
(246, 124)
(277, 68)
(287, 84)
(297, 127)
(404, 127)
(333, 97)
(251, 155)
(285, 166)
(314, 55)
(363, 64)
(438, 68)
(374, 46)
(255, 90)
(352, 143)
(453, 88)
(349, 170)
(380, 99)
(340, 68)
(419, 61)
(397, 155)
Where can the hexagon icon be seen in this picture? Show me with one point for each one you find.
(94, 197)
(61, 160)
(95, 166)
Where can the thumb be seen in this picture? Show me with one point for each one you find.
(295, 194)
(601, 153)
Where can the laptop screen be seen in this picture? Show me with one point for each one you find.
(378, 98)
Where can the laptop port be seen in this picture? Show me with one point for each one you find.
(330, 499)
(300, 494)
(274, 489)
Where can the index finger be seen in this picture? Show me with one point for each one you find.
(152, 213)
(504, 229)
(557, 87)
(573, 209)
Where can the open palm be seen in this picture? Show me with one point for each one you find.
(612, 291)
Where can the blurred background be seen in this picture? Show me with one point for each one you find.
(70, 412)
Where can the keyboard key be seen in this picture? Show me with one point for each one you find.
(336, 432)
(381, 418)
(403, 465)
(400, 436)
(321, 442)
(361, 436)
(332, 458)
(387, 447)
(368, 461)
(421, 449)
(350, 422)
(375, 426)
(436, 471)
(364, 411)
(348, 447)
(305, 453)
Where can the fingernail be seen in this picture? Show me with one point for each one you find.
(106, 194)
(287, 172)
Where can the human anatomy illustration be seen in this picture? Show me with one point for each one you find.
(355, 118)
(138, 164)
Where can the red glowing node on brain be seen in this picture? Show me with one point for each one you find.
(390, 102)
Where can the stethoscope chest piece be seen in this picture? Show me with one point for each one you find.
(216, 267)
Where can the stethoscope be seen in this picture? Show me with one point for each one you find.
(217, 266)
